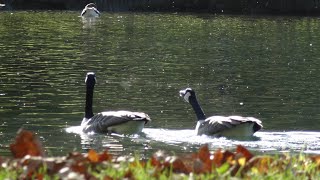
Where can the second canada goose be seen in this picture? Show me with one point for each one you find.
(120, 122)
(90, 10)
(230, 126)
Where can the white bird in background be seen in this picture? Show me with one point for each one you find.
(90, 10)
(229, 126)
(120, 122)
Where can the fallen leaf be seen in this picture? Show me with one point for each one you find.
(129, 175)
(105, 156)
(316, 159)
(204, 153)
(258, 164)
(244, 151)
(220, 157)
(242, 161)
(178, 166)
(93, 156)
(26, 143)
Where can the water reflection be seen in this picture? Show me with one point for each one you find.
(114, 143)
(186, 140)
(292, 141)
(89, 22)
(265, 67)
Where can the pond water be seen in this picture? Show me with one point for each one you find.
(266, 67)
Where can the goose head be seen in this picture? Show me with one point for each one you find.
(90, 10)
(187, 94)
(91, 5)
(90, 79)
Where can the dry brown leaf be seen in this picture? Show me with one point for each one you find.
(204, 153)
(79, 168)
(178, 166)
(129, 175)
(245, 152)
(26, 143)
(261, 164)
(201, 160)
(155, 162)
(316, 159)
(218, 158)
(107, 178)
(105, 156)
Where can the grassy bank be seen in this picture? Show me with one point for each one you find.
(29, 162)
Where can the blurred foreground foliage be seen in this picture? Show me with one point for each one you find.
(29, 162)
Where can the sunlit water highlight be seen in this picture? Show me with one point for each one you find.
(271, 142)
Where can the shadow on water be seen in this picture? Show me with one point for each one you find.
(187, 141)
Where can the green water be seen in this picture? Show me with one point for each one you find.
(266, 67)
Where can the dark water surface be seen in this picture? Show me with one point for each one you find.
(266, 67)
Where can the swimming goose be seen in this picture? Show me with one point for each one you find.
(90, 10)
(229, 126)
(120, 122)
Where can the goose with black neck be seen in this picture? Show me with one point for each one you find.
(227, 126)
(120, 122)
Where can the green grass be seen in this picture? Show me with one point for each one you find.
(294, 167)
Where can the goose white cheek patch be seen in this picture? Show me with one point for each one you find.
(186, 97)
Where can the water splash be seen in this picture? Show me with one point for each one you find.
(293, 141)
(187, 140)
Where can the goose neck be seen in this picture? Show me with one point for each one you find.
(89, 99)
(197, 108)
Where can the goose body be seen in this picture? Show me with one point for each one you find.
(120, 122)
(229, 126)
(90, 10)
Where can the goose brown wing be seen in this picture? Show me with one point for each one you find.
(102, 121)
(217, 124)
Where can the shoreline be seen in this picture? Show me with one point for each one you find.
(245, 7)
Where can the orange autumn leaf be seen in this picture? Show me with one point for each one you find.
(259, 164)
(40, 176)
(228, 157)
(79, 168)
(202, 162)
(105, 156)
(107, 178)
(221, 157)
(26, 143)
(204, 153)
(244, 151)
(316, 159)
(263, 164)
(179, 166)
(129, 175)
(218, 158)
(93, 156)
(155, 162)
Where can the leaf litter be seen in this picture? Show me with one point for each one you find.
(30, 161)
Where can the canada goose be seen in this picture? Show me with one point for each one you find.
(120, 122)
(229, 126)
(90, 10)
